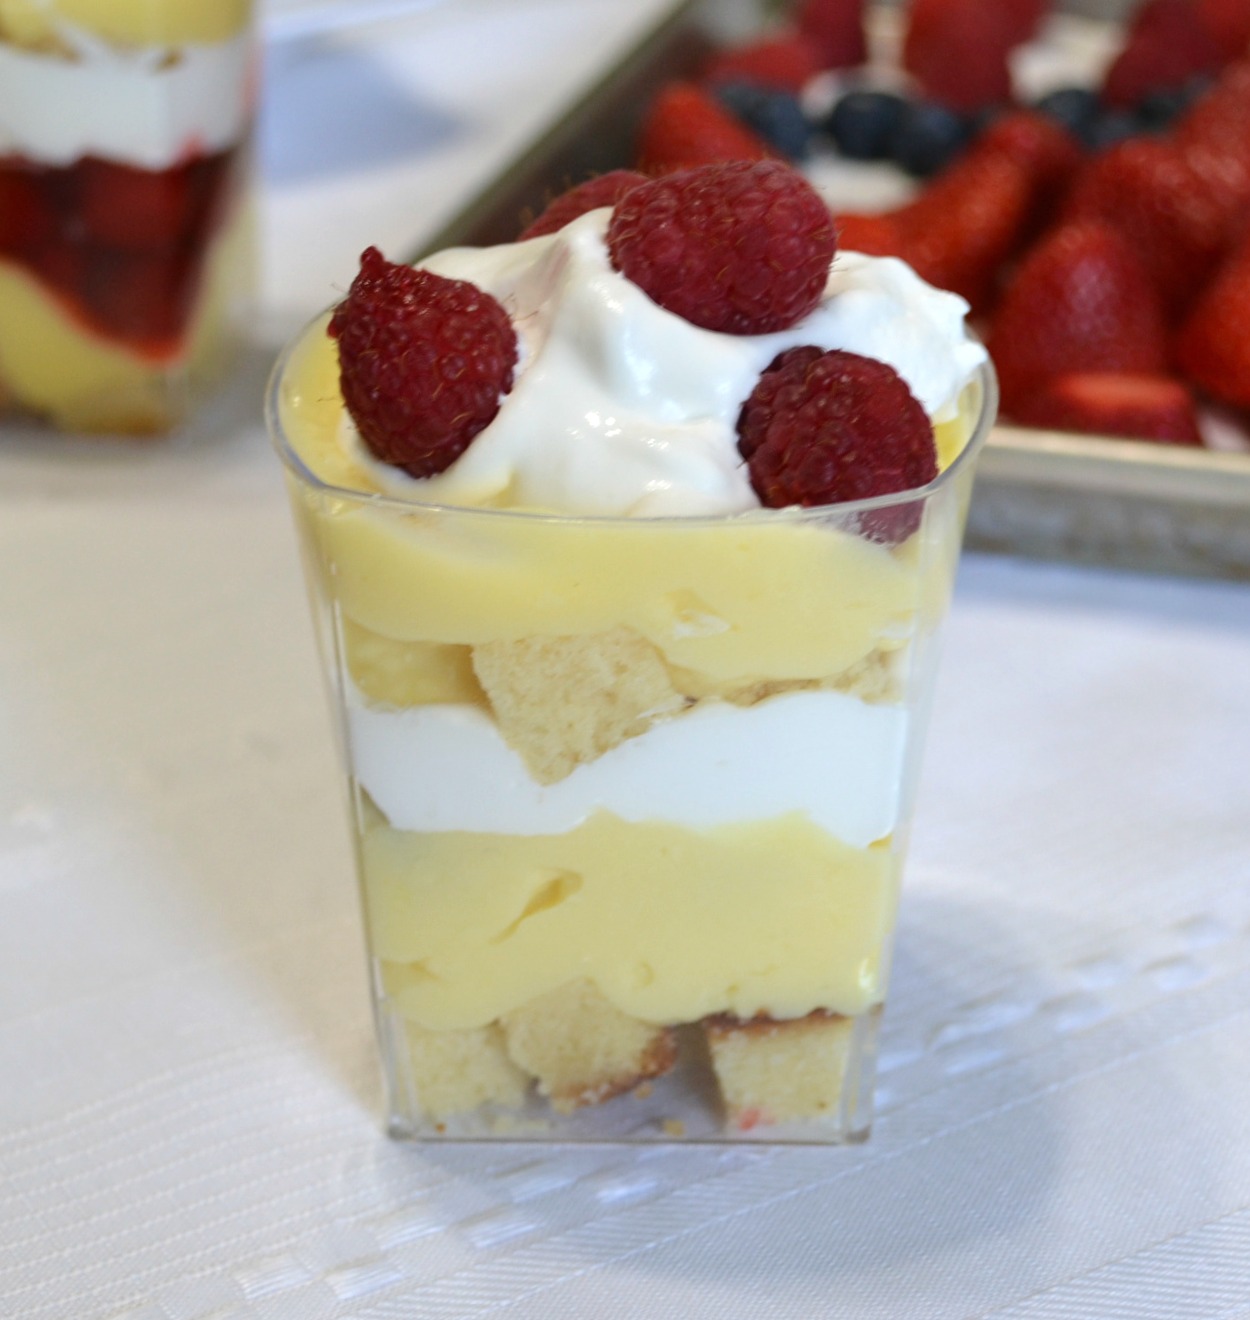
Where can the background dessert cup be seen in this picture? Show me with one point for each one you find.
(124, 236)
(630, 796)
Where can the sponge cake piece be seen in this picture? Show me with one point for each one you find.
(772, 1071)
(582, 1048)
(563, 701)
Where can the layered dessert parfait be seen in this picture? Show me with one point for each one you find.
(628, 542)
(123, 249)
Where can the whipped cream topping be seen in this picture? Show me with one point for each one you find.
(830, 755)
(619, 407)
(147, 106)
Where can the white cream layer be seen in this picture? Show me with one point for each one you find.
(832, 756)
(619, 407)
(149, 107)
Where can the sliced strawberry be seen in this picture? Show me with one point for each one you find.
(1139, 407)
(142, 297)
(25, 216)
(1079, 302)
(686, 126)
(1166, 47)
(137, 209)
(1214, 344)
(957, 50)
(1150, 190)
(836, 29)
(1228, 21)
(786, 61)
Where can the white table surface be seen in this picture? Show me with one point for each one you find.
(189, 1104)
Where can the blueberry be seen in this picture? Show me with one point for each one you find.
(776, 116)
(1110, 127)
(1161, 109)
(927, 137)
(862, 123)
(1076, 108)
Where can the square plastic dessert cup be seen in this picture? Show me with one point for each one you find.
(630, 798)
(126, 253)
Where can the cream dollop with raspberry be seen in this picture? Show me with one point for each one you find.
(622, 408)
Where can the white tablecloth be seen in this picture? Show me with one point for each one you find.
(188, 1099)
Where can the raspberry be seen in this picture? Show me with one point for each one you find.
(823, 428)
(604, 190)
(742, 247)
(424, 362)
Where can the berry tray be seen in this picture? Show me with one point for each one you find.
(1050, 494)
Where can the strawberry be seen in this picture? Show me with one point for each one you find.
(874, 235)
(1051, 153)
(1214, 343)
(786, 61)
(1166, 47)
(1228, 21)
(1079, 302)
(24, 212)
(836, 29)
(1025, 17)
(1151, 191)
(137, 209)
(1220, 119)
(957, 50)
(1138, 407)
(979, 211)
(686, 126)
(142, 297)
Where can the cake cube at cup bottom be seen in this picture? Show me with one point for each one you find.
(630, 796)
(125, 236)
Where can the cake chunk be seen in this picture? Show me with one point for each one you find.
(582, 1048)
(456, 1071)
(563, 701)
(772, 1071)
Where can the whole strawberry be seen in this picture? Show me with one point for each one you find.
(1167, 46)
(743, 248)
(836, 29)
(1080, 301)
(1177, 221)
(1214, 343)
(424, 362)
(687, 126)
(828, 427)
(957, 50)
(603, 190)
(979, 211)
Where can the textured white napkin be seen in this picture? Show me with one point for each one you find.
(188, 1108)
(188, 1099)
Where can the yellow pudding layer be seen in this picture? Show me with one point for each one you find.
(52, 364)
(743, 599)
(671, 924)
(33, 23)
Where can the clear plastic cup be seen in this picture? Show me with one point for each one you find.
(630, 797)
(125, 245)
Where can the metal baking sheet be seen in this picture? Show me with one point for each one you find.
(1161, 508)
